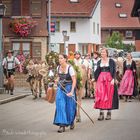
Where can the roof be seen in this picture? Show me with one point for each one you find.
(110, 14)
(65, 8)
(135, 8)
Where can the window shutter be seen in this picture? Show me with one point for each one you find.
(25, 8)
(6, 47)
(36, 50)
(35, 8)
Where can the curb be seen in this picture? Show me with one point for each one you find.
(13, 98)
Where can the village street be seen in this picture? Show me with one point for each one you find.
(29, 119)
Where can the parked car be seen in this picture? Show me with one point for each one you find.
(112, 52)
(136, 57)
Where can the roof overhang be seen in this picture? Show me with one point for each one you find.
(136, 9)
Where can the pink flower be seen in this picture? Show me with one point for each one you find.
(22, 26)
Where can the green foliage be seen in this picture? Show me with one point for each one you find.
(52, 59)
(115, 41)
(78, 73)
(129, 48)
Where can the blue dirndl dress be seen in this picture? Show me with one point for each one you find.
(65, 106)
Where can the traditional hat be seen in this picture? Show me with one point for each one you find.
(77, 52)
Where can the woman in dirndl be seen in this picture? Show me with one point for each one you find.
(106, 96)
(128, 82)
(65, 95)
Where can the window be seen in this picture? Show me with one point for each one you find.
(57, 26)
(128, 34)
(73, 26)
(16, 7)
(8, 4)
(24, 47)
(74, 1)
(94, 28)
(123, 15)
(35, 8)
(16, 48)
(118, 5)
(98, 28)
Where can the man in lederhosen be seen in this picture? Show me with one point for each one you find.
(9, 64)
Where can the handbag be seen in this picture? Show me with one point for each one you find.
(50, 94)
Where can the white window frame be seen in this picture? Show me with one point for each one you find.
(74, 1)
(94, 28)
(71, 26)
(123, 15)
(118, 5)
(98, 30)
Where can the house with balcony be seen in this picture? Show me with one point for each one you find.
(18, 31)
(80, 19)
(116, 17)
(25, 30)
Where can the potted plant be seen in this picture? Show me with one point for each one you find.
(22, 26)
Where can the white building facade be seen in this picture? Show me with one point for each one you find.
(84, 33)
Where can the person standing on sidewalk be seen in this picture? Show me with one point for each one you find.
(106, 97)
(9, 65)
(65, 106)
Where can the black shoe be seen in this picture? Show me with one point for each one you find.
(40, 96)
(72, 126)
(61, 129)
(35, 97)
(101, 116)
(11, 93)
(78, 119)
(108, 117)
(32, 91)
(126, 98)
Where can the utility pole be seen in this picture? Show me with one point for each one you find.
(49, 25)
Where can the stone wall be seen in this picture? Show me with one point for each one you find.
(20, 80)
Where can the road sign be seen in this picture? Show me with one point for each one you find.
(53, 27)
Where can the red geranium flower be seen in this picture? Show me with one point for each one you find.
(22, 26)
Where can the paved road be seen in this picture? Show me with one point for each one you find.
(26, 119)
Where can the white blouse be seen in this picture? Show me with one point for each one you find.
(104, 64)
(71, 70)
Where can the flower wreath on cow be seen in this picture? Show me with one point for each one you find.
(52, 60)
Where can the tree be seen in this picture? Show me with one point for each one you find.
(115, 41)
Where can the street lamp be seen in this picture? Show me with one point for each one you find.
(65, 38)
(2, 13)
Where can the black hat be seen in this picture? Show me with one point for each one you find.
(77, 52)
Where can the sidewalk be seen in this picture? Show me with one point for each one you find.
(18, 94)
